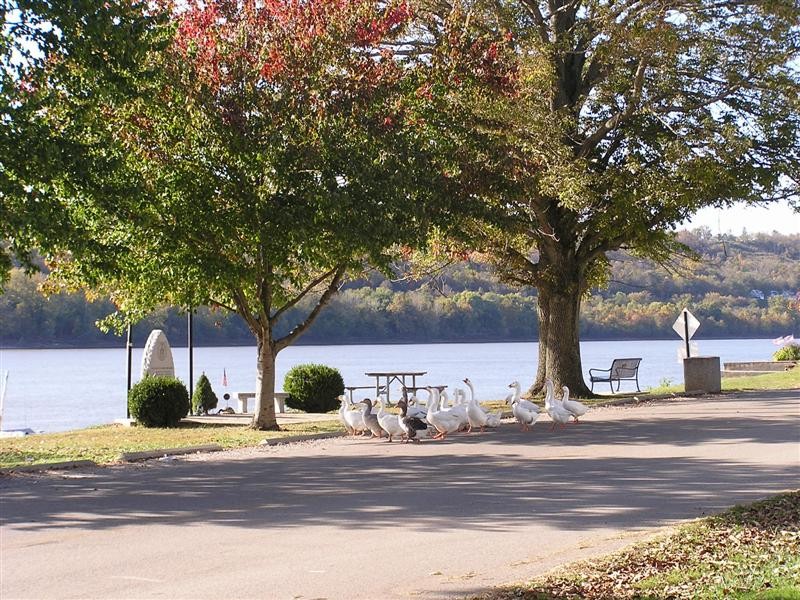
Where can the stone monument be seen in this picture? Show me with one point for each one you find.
(157, 356)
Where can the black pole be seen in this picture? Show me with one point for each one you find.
(191, 358)
(129, 348)
(686, 330)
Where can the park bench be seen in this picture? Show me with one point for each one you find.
(621, 369)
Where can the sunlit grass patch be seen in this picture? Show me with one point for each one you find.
(105, 443)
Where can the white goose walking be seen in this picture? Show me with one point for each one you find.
(575, 408)
(558, 414)
(389, 423)
(476, 415)
(443, 421)
(516, 396)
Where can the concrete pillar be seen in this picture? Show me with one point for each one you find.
(702, 374)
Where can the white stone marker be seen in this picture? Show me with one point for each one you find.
(157, 355)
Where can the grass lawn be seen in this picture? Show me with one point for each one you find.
(781, 380)
(749, 552)
(105, 443)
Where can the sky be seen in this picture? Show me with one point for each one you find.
(780, 218)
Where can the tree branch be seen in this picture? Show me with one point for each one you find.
(302, 294)
(613, 122)
(333, 287)
(243, 308)
(533, 9)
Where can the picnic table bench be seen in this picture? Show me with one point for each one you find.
(244, 400)
(621, 369)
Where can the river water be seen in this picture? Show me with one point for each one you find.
(57, 390)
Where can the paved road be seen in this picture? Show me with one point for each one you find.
(365, 519)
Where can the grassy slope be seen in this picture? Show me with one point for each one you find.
(105, 443)
(746, 553)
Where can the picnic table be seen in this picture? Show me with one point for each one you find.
(384, 379)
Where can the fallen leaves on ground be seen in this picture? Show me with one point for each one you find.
(746, 550)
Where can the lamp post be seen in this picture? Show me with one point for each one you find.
(191, 350)
(129, 349)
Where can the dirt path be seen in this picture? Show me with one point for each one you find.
(365, 519)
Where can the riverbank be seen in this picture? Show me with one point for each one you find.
(61, 390)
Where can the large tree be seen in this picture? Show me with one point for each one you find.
(239, 154)
(627, 117)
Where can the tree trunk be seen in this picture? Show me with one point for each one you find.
(264, 411)
(560, 292)
(559, 342)
(542, 310)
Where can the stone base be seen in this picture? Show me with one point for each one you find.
(702, 374)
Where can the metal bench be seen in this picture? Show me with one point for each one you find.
(621, 369)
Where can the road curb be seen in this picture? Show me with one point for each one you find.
(301, 438)
(158, 453)
(53, 466)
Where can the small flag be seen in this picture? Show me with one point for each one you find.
(224, 378)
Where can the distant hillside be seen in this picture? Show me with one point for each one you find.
(746, 286)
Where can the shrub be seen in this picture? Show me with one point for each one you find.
(158, 402)
(788, 352)
(313, 388)
(204, 398)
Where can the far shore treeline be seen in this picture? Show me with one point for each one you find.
(743, 286)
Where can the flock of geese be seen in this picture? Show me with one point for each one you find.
(440, 416)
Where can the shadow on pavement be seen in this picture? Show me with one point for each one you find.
(453, 488)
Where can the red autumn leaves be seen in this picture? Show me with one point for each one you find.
(229, 40)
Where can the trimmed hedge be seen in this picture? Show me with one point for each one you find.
(313, 388)
(203, 398)
(158, 402)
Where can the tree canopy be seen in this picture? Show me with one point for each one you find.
(249, 154)
(243, 155)
(627, 118)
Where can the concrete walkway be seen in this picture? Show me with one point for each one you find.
(354, 518)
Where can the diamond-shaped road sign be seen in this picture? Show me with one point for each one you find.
(686, 320)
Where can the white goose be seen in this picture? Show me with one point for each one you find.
(443, 421)
(353, 420)
(415, 410)
(389, 423)
(524, 417)
(516, 396)
(343, 416)
(558, 414)
(476, 415)
(451, 408)
(575, 408)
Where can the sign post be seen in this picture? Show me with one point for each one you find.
(686, 325)
(700, 373)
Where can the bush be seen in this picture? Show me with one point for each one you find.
(788, 352)
(158, 402)
(313, 388)
(204, 398)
